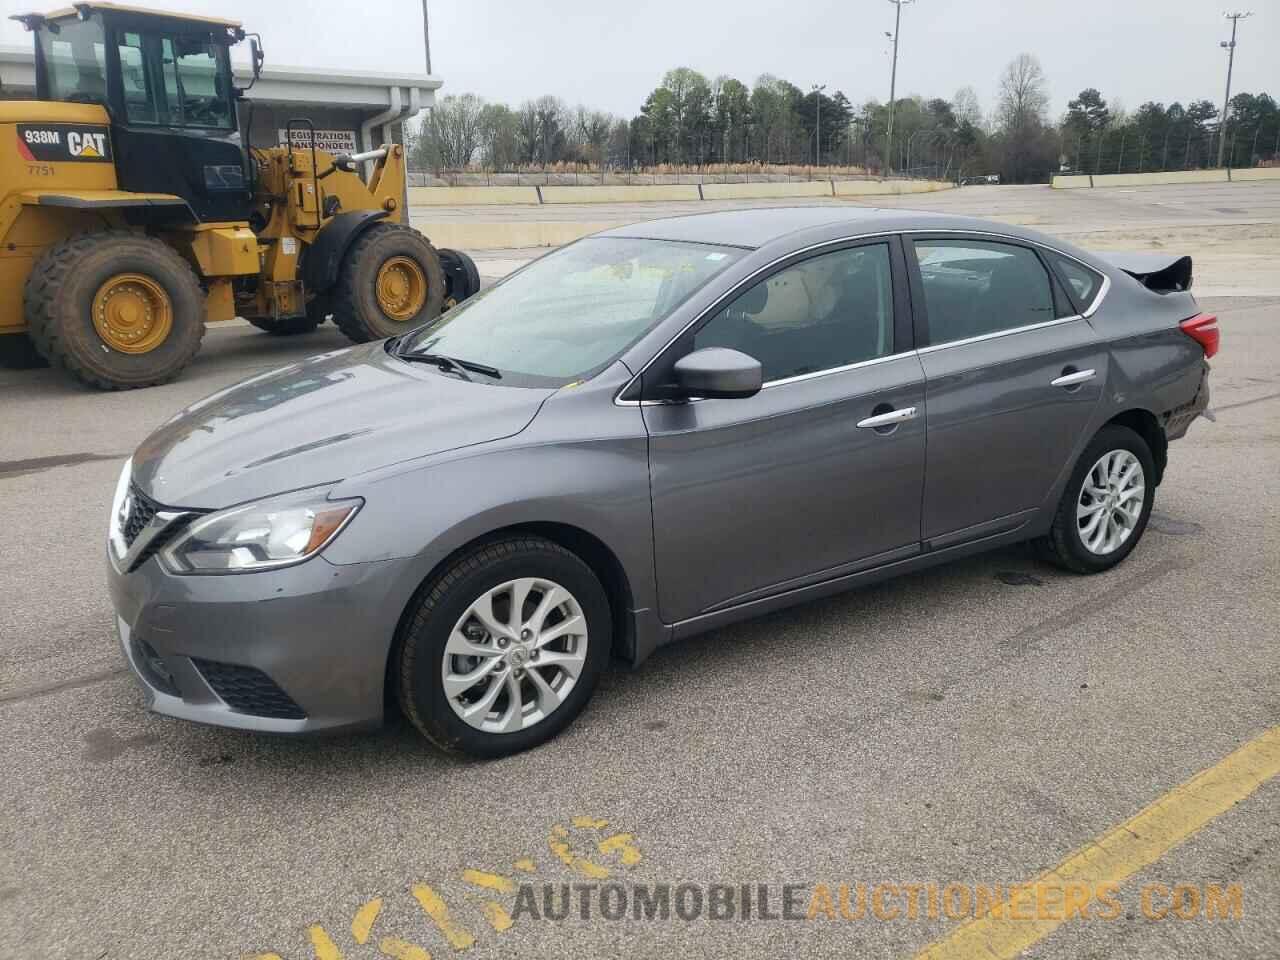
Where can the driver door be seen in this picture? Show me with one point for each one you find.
(797, 484)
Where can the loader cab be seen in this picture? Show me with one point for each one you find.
(166, 82)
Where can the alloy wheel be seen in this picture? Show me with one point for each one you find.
(514, 655)
(1110, 502)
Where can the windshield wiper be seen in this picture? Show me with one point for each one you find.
(460, 367)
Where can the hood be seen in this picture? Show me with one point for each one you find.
(322, 419)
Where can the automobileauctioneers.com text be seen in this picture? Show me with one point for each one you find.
(875, 902)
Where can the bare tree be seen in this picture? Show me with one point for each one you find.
(451, 132)
(1024, 94)
(551, 118)
(966, 107)
(593, 127)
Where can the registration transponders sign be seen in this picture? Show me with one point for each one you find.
(330, 141)
(63, 142)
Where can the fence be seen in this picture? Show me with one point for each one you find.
(568, 174)
(1178, 148)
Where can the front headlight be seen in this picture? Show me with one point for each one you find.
(271, 533)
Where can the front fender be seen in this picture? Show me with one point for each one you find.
(324, 257)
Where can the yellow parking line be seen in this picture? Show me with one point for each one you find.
(1124, 850)
(459, 937)
(401, 950)
(324, 947)
(498, 918)
(363, 922)
(490, 881)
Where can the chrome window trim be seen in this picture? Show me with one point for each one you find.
(1088, 312)
(1102, 291)
(996, 334)
(782, 381)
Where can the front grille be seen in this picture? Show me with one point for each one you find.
(142, 510)
(248, 690)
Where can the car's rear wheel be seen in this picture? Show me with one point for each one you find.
(504, 649)
(1105, 507)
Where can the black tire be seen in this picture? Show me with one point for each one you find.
(59, 307)
(461, 277)
(17, 352)
(355, 301)
(443, 600)
(1064, 545)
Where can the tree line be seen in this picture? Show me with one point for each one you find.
(689, 120)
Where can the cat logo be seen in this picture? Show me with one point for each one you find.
(87, 146)
(62, 142)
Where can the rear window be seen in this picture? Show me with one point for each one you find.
(1081, 281)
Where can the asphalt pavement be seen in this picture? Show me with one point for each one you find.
(973, 726)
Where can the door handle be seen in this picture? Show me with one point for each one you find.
(888, 419)
(1073, 379)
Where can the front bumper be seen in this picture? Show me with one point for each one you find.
(294, 650)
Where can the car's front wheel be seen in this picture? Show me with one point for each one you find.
(1105, 507)
(504, 649)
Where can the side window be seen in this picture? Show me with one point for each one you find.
(1083, 282)
(972, 287)
(825, 312)
(139, 100)
(169, 70)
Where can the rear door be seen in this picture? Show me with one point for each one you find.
(798, 483)
(1012, 377)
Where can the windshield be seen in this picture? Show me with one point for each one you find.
(73, 57)
(564, 317)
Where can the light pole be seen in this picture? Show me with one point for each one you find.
(1230, 46)
(817, 124)
(893, 80)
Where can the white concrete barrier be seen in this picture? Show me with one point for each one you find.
(1256, 173)
(763, 191)
(895, 188)
(466, 196)
(482, 235)
(621, 193)
(1069, 181)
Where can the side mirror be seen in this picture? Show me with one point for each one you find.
(718, 373)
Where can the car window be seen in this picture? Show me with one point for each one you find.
(974, 287)
(1083, 281)
(825, 312)
(571, 311)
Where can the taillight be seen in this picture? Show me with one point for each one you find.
(1203, 329)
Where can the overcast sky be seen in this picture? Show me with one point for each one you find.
(609, 55)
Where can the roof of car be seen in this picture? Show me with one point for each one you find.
(755, 227)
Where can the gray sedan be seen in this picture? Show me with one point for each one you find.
(652, 432)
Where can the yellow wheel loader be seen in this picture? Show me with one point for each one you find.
(132, 212)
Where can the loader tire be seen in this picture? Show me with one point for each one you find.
(390, 282)
(115, 309)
